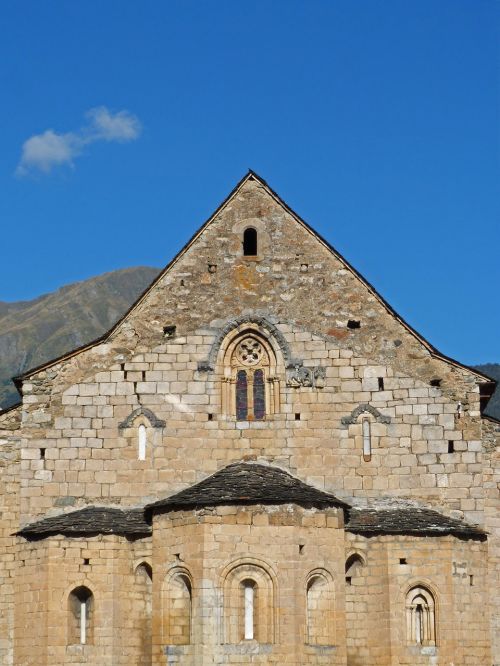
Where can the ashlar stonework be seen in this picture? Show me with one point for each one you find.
(261, 463)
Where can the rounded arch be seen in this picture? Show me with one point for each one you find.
(250, 242)
(251, 368)
(421, 613)
(320, 608)
(177, 606)
(80, 616)
(353, 565)
(142, 415)
(143, 567)
(249, 606)
(274, 336)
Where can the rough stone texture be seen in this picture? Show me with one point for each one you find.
(64, 450)
(92, 520)
(414, 520)
(246, 483)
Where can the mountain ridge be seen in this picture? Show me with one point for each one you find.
(36, 331)
(50, 325)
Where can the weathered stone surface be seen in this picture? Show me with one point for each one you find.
(84, 437)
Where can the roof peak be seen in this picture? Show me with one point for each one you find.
(246, 482)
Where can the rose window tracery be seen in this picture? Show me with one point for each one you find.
(251, 385)
(249, 352)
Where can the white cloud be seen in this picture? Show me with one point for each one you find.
(43, 152)
(122, 126)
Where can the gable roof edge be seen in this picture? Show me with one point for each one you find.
(252, 175)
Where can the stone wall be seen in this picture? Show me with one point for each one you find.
(279, 547)
(79, 440)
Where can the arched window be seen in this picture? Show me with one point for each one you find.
(353, 567)
(142, 442)
(178, 609)
(249, 609)
(320, 610)
(80, 616)
(367, 440)
(142, 608)
(250, 388)
(420, 617)
(248, 605)
(250, 242)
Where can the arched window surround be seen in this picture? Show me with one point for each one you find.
(320, 608)
(177, 607)
(139, 429)
(250, 364)
(235, 579)
(81, 610)
(421, 614)
(354, 564)
(250, 242)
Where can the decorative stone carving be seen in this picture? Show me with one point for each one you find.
(249, 351)
(309, 377)
(151, 417)
(364, 407)
(268, 329)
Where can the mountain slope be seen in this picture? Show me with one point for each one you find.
(33, 332)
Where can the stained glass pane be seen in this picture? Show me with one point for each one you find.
(259, 395)
(241, 396)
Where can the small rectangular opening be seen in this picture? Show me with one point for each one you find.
(435, 382)
(169, 331)
(86, 561)
(451, 446)
(297, 417)
(301, 547)
(353, 323)
(348, 580)
(402, 560)
(42, 454)
(380, 383)
(210, 417)
(471, 580)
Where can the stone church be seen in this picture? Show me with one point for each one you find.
(260, 463)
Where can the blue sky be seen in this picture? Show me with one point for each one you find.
(124, 124)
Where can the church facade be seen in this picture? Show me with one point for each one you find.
(261, 463)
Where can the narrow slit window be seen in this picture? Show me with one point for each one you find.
(259, 395)
(250, 242)
(142, 442)
(249, 605)
(367, 440)
(241, 396)
(80, 608)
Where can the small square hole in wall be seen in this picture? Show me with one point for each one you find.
(451, 446)
(210, 417)
(435, 382)
(380, 383)
(42, 454)
(471, 580)
(297, 417)
(169, 331)
(86, 560)
(353, 323)
(348, 580)
(402, 560)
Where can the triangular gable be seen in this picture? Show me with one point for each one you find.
(252, 176)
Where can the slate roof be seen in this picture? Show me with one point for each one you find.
(90, 521)
(246, 483)
(408, 520)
